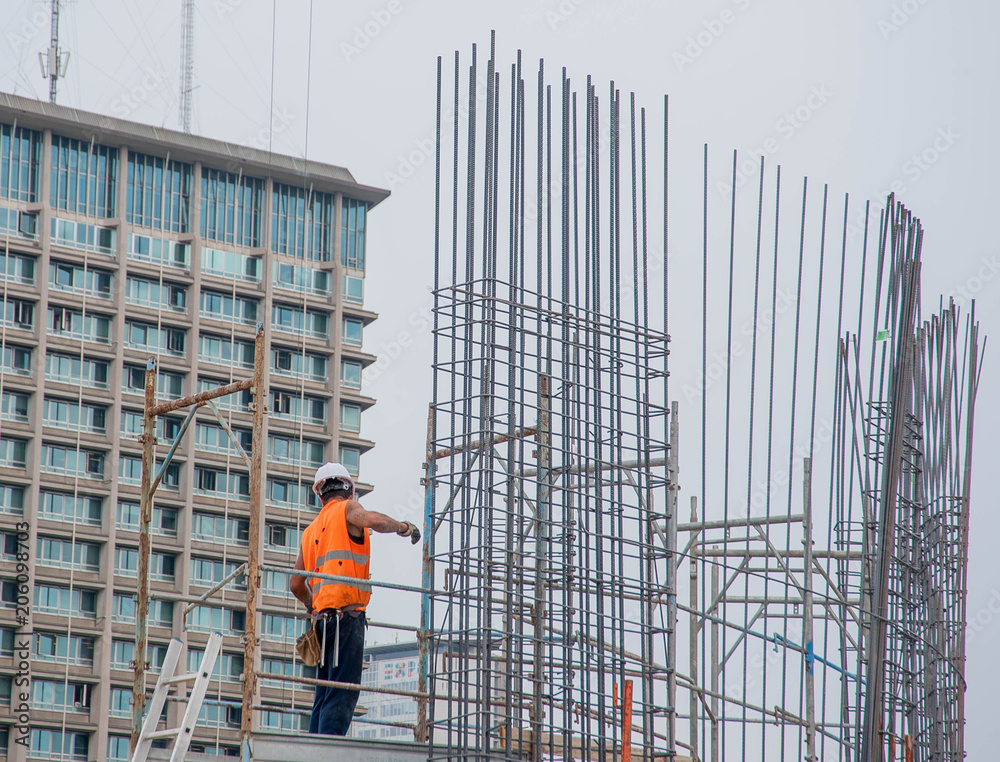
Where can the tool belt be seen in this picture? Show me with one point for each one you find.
(311, 650)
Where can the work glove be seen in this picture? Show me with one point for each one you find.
(410, 531)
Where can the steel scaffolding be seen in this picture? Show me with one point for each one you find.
(825, 543)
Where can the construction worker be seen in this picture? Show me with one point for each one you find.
(337, 542)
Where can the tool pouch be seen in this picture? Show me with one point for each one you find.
(308, 647)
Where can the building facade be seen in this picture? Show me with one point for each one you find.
(386, 716)
(120, 242)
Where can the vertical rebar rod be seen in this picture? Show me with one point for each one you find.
(145, 519)
(251, 653)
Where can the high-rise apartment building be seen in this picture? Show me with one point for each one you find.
(120, 242)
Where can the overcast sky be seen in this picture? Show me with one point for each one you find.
(892, 79)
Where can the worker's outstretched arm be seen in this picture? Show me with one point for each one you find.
(357, 516)
(298, 587)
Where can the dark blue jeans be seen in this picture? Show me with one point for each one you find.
(333, 708)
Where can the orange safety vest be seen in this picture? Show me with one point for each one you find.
(327, 548)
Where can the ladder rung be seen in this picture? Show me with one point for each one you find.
(168, 733)
(184, 678)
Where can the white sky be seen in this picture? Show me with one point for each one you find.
(897, 74)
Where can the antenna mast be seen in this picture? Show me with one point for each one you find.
(187, 63)
(55, 62)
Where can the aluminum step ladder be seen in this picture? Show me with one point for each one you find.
(168, 678)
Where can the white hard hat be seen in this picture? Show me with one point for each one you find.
(331, 471)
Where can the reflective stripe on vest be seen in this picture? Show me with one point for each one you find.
(327, 548)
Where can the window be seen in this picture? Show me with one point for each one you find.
(9, 546)
(6, 641)
(123, 653)
(228, 264)
(350, 417)
(219, 306)
(164, 520)
(64, 649)
(126, 561)
(292, 495)
(66, 554)
(354, 289)
(13, 452)
(12, 499)
(276, 583)
(302, 234)
(211, 571)
(221, 350)
(214, 528)
(150, 338)
(73, 324)
(352, 233)
(53, 695)
(121, 706)
(8, 593)
(63, 506)
(151, 293)
(14, 406)
(213, 619)
(68, 369)
(73, 415)
(82, 235)
(283, 629)
(302, 279)
(66, 276)
(291, 450)
(351, 458)
(167, 427)
(284, 667)
(130, 472)
(216, 483)
(59, 745)
(291, 319)
(228, 666)
(169, 385)
(20, 163)
(83, 177)
(158, 194)
(293, 407)
(214, 714)
(161, 566)
(239, 401)
(232, 207)
(118, 745)
(16, 268)
(76, 601)
(281, 537)
(350, 374)
(147, 248)
(296, 364)
(17, 313)
(161, 613)
(272, 719)
(351, 330)
(57, 459)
